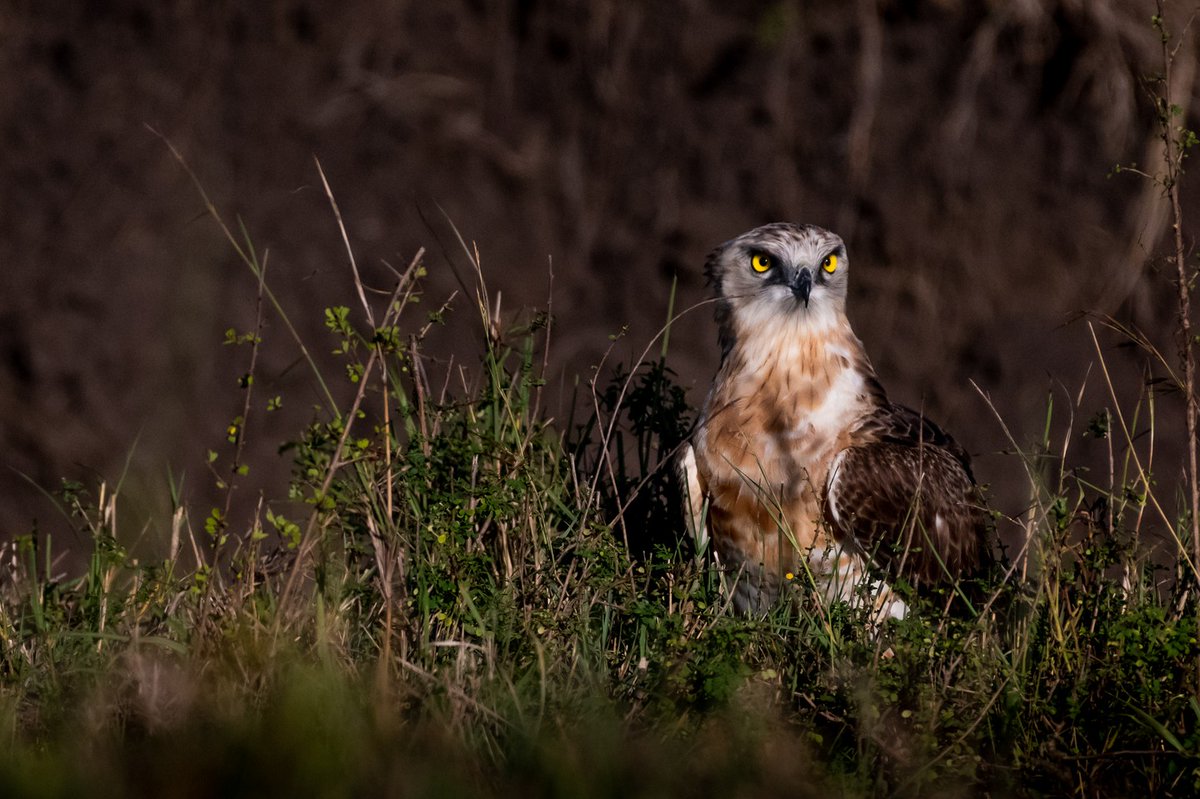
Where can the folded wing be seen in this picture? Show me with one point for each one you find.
(903, 494)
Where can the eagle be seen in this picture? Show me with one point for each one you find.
(800, 467)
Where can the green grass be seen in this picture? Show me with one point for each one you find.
(457, 597)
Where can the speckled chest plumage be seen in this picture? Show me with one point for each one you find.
(784, 404)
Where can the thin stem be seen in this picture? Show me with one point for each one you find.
(1173, 161)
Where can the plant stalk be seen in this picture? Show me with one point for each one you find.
(1173, 160)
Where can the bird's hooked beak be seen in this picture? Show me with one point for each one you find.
(802, 286)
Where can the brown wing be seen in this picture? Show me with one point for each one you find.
(905, 496)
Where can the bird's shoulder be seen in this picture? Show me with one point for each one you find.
(898, 425)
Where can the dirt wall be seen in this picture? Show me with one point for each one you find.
(963, 150)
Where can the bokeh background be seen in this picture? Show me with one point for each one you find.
(964, 149)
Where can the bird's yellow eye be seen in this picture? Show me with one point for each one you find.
(760, 262)
(829, 264)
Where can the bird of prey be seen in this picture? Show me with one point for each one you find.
(801, 468)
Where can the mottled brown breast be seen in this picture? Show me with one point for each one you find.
(780, 410)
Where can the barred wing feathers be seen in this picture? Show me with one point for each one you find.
(904, 495)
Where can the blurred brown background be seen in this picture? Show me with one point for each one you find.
(963, 149)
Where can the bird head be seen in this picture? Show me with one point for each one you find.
(778, 272)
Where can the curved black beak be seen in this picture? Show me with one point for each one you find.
(802, 286)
